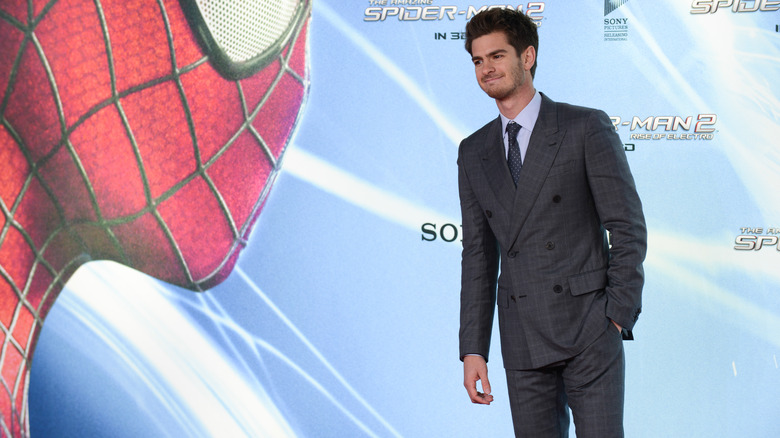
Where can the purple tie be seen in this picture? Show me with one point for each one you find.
(513, 157)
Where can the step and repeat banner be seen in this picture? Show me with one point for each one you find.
(242, 218)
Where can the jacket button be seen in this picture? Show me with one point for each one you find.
(549, 245)
(556, 199)
(557, 289)
(512, 254)
(488, 213)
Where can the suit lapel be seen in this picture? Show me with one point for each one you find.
(495, 167)
(542, 150)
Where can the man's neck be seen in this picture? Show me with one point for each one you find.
(514, 104)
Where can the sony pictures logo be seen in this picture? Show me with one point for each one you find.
(615, 28)
(755, 239)
(712, 6)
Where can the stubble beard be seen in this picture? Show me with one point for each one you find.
(500, 93)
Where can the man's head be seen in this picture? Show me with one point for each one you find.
(519, 30)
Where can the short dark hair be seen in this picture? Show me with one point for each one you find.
(520, 31)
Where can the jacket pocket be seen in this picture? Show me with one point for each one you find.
(502, 299)
(588, 281)
(562, 167)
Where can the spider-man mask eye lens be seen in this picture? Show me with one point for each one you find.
(243, 36)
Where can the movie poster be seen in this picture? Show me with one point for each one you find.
(242, 219)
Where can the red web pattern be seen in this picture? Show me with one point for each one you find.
(119, 141)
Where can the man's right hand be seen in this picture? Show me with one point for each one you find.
(475, 368)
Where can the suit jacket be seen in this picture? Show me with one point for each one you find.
(560, 281)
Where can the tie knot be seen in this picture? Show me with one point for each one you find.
(512, 129)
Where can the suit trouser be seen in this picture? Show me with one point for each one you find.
(592, 384)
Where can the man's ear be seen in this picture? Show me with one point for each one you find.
(528, 58)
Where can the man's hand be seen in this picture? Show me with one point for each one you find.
(475, 368)
(620, 329)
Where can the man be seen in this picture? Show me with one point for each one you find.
(541, 197)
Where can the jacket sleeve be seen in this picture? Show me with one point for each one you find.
(620, 211)
(479, 269)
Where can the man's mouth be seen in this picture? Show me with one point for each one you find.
(488, 79)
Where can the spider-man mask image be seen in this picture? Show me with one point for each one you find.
(147, 132)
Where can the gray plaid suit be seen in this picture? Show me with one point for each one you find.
(559, 282)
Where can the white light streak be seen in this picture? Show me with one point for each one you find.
(395, 73)
(692, 270)
(289, 324)
(746, 95)
(188, 374)
(356, 191)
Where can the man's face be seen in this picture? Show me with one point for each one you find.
(500, 71)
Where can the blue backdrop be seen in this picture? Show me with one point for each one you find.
(341, 317)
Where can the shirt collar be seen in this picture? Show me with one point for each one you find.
(527, 117)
